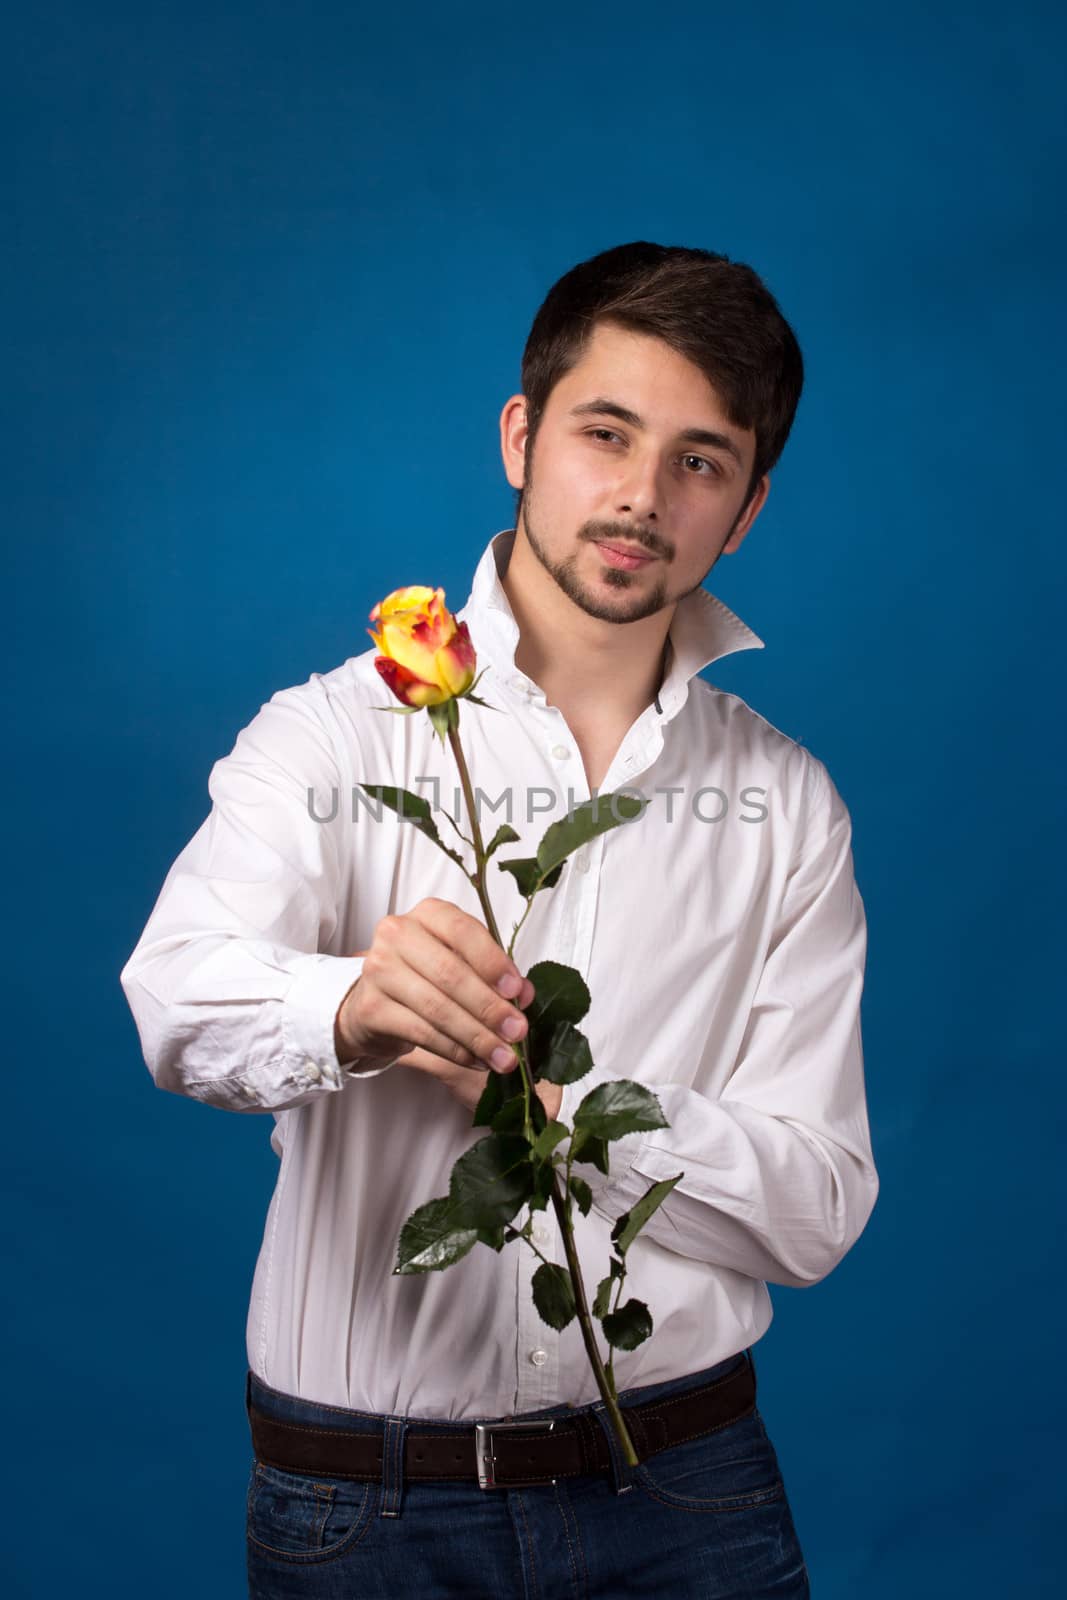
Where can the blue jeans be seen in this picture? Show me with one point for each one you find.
(709, 1517)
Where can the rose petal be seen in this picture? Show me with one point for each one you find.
(456, 662)
(408, 688)
(416, 597)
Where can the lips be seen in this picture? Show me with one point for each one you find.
(627, 556)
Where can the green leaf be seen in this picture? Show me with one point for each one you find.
(586, 1147)
(629, 1225)
(500, 1087)
(602, 1298)
(450, 818)
(527, 875)
(431, 1239)
(493, 1237)
(491, 1181)
(562, 995)
(413, 808)
(553, 1295)
(615, 1109)
(410, 807)
(582, 1194)
(602, 1302)
(592, 817)
(489, 1101)
(549, 1138)
(505, 834)
(567, 1057)
(628, 1327)
(543, 1181)
(511, 1116)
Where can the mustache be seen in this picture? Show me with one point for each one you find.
(615, 533)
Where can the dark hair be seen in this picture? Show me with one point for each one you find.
(716, 312)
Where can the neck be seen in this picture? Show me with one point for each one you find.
(586, 667)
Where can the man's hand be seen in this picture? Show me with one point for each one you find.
(467, 1084)
(435, 984)
(550, 1096)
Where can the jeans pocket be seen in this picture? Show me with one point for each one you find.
(727, 1470)
(300, 1517)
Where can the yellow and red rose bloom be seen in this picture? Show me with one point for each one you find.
(426, 656)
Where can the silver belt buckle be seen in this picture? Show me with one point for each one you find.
(483, 1446)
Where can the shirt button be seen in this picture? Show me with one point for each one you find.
(538, 1357)
(313, 1070)
(540, 1236)
(518, 683)
(581, 862)
(560, 752)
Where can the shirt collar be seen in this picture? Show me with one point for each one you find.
(702, 630)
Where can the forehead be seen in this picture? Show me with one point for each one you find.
(650, 379)
(640, 360)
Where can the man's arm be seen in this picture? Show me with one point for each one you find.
(233, 998)
(237, 1001)
(779, 1176)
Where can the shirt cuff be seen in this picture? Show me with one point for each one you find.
(309, 1012)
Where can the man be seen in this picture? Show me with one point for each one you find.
(723, 940)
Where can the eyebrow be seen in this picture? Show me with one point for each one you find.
(608, 408)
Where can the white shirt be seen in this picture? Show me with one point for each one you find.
(725, 959)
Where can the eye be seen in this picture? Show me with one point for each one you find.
(714, 470)
(608, 434)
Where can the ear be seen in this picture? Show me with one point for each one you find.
(513, 431)
(752, 511)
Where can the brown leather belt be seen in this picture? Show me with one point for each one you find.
(507, 1454)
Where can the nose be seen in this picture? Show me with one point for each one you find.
(639, 490)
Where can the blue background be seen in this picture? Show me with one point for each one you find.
(273, 270)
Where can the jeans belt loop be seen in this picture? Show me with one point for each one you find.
(393, 1466)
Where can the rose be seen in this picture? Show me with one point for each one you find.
(428, 662)
(426, 657)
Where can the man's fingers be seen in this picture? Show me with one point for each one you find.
(430, 980)
(413, 1009)
(435, 980)
(442, 1067)
(463, 1083)
(472, 940)
(393, 1020)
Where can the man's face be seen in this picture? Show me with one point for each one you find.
(648, 485)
